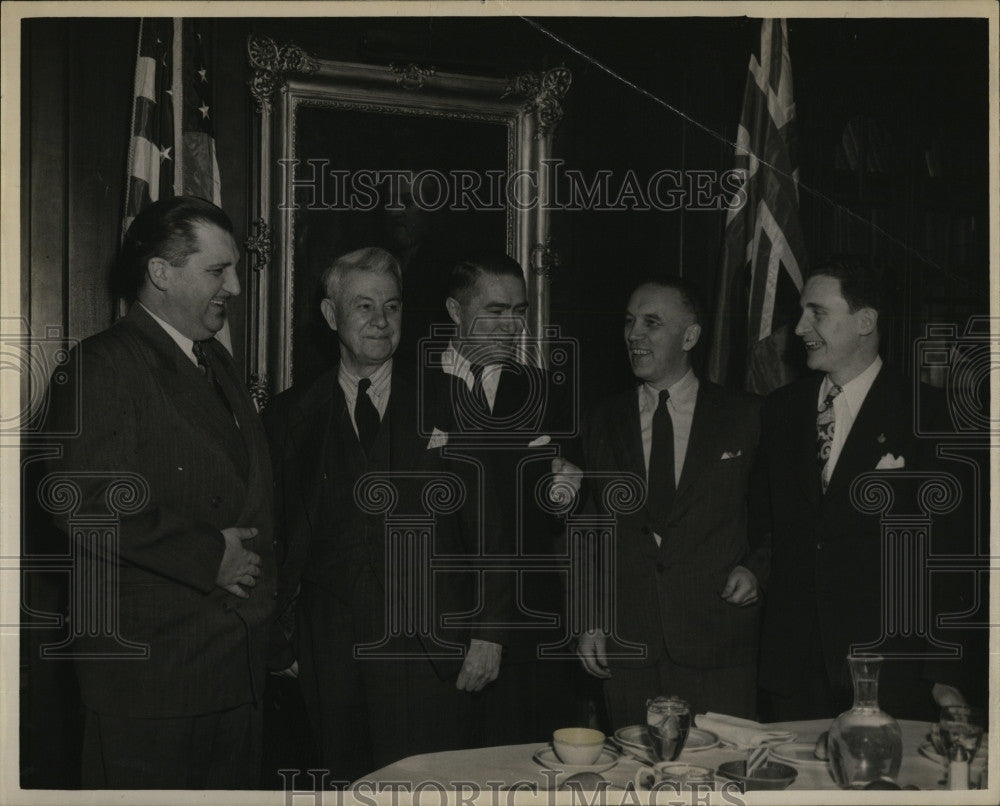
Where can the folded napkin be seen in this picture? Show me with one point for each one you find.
(741, 732)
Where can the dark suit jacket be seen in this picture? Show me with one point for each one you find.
(329, 542)
(145, 408)
(818, 556)
(493, 456)
(668, 595)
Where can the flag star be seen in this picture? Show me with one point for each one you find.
(203, 73)
(165, 153)
(204, 111)
(170, 92)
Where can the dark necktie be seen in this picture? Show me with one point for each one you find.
(366, 416)
(826, 424)
(478, 391)
(661, 465)
(205, 365)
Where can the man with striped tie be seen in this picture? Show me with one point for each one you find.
(817, 554)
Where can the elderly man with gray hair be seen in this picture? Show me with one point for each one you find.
(375, 691)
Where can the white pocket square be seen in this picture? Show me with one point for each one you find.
(437, 440)
(890, 462)
(538, 442)
(731, 454)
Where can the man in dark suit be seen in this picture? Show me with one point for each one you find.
(505, 420)
(684, 605)
(164, 420)
(817, 554)
(380, 683)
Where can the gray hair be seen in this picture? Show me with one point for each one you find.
(370, 259)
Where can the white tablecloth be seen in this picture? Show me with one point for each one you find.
(493, 768)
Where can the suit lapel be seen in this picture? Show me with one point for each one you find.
(802, 440)
(188, 391)
(700, 453)
(628, 436)
(861, 449)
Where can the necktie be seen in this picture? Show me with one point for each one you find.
(366, 416)
(205, 365)
(661, 465)
(826, 423)
(478, 391)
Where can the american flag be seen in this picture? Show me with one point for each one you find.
(763, 256)
(172, 147)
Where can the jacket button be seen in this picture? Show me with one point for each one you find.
(660, 568)
(819, 545)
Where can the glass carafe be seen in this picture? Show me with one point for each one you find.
(865, 743)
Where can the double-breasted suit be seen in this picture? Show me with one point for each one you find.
(504, 452)
(146, 409)
(667, 596)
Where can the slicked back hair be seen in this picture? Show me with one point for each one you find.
(465, 273)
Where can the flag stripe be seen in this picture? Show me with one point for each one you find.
(763, 244)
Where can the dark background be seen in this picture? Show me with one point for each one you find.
(914, 90)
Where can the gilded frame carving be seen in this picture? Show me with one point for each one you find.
(285, 78)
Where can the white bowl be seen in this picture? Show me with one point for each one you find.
(578, 745)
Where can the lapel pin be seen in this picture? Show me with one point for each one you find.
(880, 439)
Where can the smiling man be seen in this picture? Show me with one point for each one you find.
(683, 597)
(505, 420)
(160, 399)
(821, 556)
(366, 710)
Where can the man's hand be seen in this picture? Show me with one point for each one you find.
(239, 566)
(566, 481)
(590, 649)
(741, 587)
(482, 665)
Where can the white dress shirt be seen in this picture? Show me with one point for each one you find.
(182, 341)
(378, 392)
(846, 406)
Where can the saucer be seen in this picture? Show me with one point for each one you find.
(797, 753)
(634, 737)
(546, 758)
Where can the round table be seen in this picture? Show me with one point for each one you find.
(511, 766)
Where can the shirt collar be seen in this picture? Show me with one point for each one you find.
(179, 338)
(379, 378)
(454, 363)
(855, 390)
(682, 392)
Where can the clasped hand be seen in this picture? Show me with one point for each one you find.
(239, 566)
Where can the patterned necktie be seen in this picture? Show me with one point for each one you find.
(661, 465)
(826, 422)
(205, 365)
(366, 416)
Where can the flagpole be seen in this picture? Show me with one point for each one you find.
(177, 96)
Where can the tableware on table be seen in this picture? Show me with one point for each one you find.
(797, 754)
(932, 751)
(743, 733)
(821, 750)
(865, 743)
(578, 745)
(671, 775)
(546, 758)
(770, 776)
(635, 739)
(668, 720)
(585, 781)
(961, 731)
